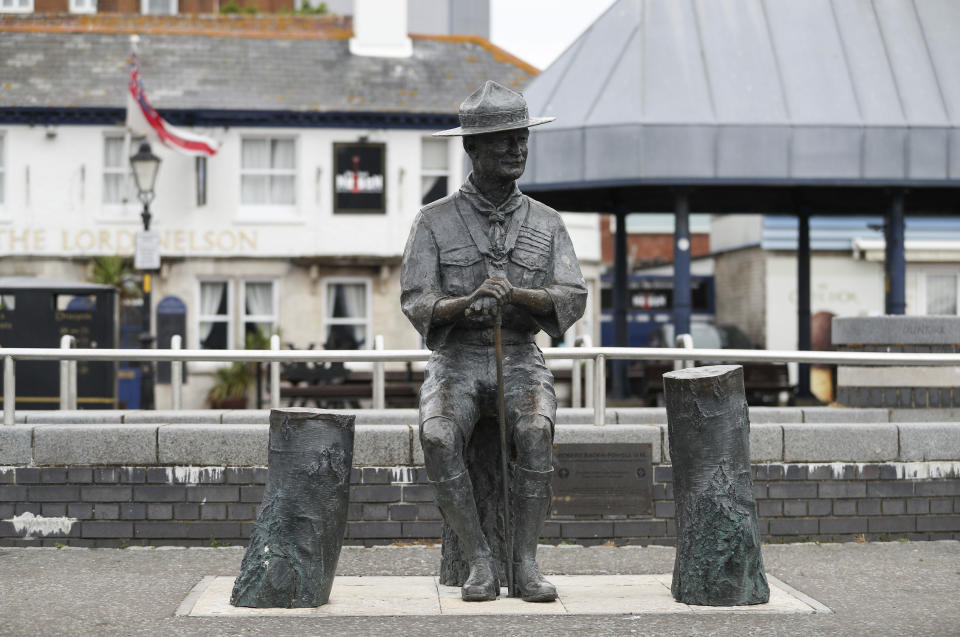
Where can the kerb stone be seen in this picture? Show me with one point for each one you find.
(170, 417)
(763, 415)
(95, 444)
(613, 434)
(841, 415)
(833, 442)
(230, 445)
(75, 417)
(921, 441)
(924, 415)
(641, 416)
(382, 446)
(887, 330)
(16, 445)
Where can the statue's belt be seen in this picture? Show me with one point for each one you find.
(484, 337)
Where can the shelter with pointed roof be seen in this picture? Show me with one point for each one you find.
(820, 107)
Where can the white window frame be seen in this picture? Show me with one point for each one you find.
(125, 211)
(273, 319)
(922, 272)
(328, 308)
(77, 9)
(269, 213)
(16, 8)
(435, 172)
(215, 318)
(145, 5)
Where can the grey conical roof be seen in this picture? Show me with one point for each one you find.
(754, 90)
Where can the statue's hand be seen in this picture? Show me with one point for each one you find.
(487, 299)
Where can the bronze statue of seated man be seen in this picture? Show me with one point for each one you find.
(487, 253)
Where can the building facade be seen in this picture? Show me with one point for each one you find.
(296, 226)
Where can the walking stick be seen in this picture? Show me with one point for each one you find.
(502, 417)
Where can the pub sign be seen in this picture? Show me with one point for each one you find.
(359, 181)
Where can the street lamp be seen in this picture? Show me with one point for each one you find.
(145, 166)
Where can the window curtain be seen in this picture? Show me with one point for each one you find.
(259, 302)
(268, 155)
(254, 156)
(259, 299)
(211, 296)
(349, 302)
(113, 181)
(281, 158)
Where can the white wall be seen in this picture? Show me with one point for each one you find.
(735, 231)
(838, 284)
(54, 194)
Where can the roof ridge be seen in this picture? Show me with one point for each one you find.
(256, 26)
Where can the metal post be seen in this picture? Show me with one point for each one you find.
(589, 381)
(620, 292)
(176, 374)
(803, 301)
(576, 379)
(275, 374)
(895, 262)
(9, 391)
(66, 342)
(72, 387)
(681, 264)
(379, 384)
(146, 341)
(684, 341)
(600, 391)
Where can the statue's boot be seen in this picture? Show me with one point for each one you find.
(455, 499)
(531, 497)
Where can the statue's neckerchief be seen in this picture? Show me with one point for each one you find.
(497, 244)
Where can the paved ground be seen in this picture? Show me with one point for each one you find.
(908, 588)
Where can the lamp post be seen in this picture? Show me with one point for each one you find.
(145, 166)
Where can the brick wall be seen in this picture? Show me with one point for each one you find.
(649, 247)
(740, 282)
(121, 506)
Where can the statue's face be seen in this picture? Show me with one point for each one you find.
(501, 156)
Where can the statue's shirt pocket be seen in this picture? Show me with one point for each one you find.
(531, 257)
(458, 270)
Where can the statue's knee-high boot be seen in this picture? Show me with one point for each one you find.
(459, 509)
(531, 502)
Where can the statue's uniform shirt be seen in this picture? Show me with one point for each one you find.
(450, 252)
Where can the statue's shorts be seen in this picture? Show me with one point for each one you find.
(460, 384)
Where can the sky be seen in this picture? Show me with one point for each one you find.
(538, 31)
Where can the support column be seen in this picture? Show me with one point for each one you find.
(620, 292)
(681, 264)
(895, 263)
(803, 300)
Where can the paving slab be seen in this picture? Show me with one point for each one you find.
(423, 595)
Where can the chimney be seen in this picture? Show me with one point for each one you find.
(380, 29)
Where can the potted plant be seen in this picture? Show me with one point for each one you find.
(229, 390)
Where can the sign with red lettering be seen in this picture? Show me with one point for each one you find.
(359, 180)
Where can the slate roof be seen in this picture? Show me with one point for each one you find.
(244, 70)
(780, 91)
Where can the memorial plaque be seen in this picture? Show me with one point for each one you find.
(592, 478)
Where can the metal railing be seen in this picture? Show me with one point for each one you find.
(594, 359)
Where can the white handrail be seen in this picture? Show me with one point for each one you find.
(595, 357)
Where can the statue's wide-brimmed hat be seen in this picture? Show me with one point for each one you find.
(492, 109)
